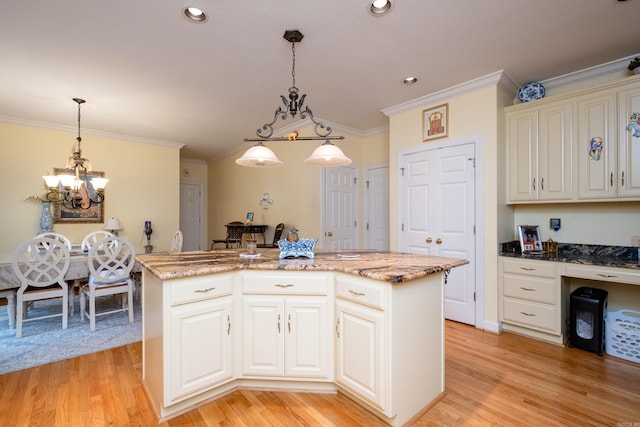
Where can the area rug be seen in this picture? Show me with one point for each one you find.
(44, 341)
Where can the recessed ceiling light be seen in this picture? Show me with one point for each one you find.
(194, 14)
(410, 80)
(379, 7)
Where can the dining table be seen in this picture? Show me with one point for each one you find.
(9, 282)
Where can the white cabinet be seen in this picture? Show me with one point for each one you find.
(360, 332)
(540, 147)
(285, 326)
(597, 145)
(629, 157)
(530, 297)
(201, 351)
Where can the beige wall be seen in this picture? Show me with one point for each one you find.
(295, 188)
(471, 113)
(143, 184)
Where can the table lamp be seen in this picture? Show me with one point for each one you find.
(113, 225)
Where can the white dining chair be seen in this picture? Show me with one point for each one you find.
(110, 263)
(176, 242)
(64, 239)
(40, 264)
(93, 237)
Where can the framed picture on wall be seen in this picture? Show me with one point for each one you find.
(249, 217)
(529, 238)
(93, 213)
(435, 122)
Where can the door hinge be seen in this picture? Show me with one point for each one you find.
(355, 181)
(401, 171)
(474, 297)
(474, 161)
(367, 226)
(402, 227)
(355, 223)
(474, 229)
(367, 182)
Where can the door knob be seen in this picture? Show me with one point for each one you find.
(429, 240)
(438, 240)
(329, 234)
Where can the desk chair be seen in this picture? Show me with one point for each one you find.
(277, 235)
(64, 239)
(235, 230)
(110, 263)
(40, 264)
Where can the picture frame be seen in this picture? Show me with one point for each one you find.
(92, 215)
(435, 122)
(249, 217)
(529, 238)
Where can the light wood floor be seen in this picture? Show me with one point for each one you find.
(493, 380)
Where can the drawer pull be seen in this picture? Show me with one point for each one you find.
(527, 289)
(356, 293)
(280, 285)
(205, 290)
(527, 269)
(608, 276)
(528, 314)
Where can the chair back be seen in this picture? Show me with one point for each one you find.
(277, 234)
(41, 262)
(176, 242)
(57, 236)
(111, 260)
(92, 238)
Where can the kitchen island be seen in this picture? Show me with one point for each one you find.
(368, 324)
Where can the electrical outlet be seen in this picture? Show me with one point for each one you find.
(554, 224)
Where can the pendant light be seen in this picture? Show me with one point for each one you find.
(325, 155)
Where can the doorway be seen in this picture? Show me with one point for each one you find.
(437, 215)
(377, 205)
(340, 208)
(191, 216)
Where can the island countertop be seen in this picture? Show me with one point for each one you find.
(393, 267)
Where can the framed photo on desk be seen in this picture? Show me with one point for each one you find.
(249, 217)
(529, 238)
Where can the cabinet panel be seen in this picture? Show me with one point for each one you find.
(528, 267)
(201, 346)
(529, 288)
(262, 335)
(596, 142)
(522, 160)
(360, 364)
(200, 288)
(307, 336)
(629, 159)
(537, 316)
(555, 152)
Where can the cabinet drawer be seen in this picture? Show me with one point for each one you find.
(529, 267)
(285, 283)
(361, 292)
(529, 288)
(616, 275)
(538, 316)
(200, 288)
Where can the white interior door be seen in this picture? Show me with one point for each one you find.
(341, 208)
(378, 208)
(190, 216)
(438, 218)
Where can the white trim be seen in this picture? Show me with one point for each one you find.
(52, 126)
(498, 77)
(478, 143)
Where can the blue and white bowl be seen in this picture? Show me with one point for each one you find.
(301, 248)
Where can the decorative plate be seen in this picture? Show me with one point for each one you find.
(531, 91)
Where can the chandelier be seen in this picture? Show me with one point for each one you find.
(326, 154)
(73, 188)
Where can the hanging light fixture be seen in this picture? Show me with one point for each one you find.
(325, 155)
(73, 188)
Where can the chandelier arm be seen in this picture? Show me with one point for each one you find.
(268, 127)
(318, 124)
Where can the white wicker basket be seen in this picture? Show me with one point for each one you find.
(622, 334)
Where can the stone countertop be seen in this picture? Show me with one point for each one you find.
(599, 255)
(393, 267)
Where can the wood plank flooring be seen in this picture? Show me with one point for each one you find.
(491, 380)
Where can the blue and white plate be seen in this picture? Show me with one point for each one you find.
(531, 91)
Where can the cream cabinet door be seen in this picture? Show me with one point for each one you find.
(263, 335)
(201, 346)
(629, 158)
(360, 355)
(597, 145)
(522, 155)
(555, 151)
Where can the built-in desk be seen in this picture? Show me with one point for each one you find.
(534, 289)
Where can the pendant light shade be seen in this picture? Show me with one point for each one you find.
(259, 156)
(328, 155)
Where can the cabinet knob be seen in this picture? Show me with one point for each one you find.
(438, 241)
(429, 240)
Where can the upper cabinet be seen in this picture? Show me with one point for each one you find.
(540, 153)
(575, 147)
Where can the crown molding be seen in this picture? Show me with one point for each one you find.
(495, 78)
(52, 126)
(618, 66)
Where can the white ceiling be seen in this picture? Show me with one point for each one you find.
(147, 72)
